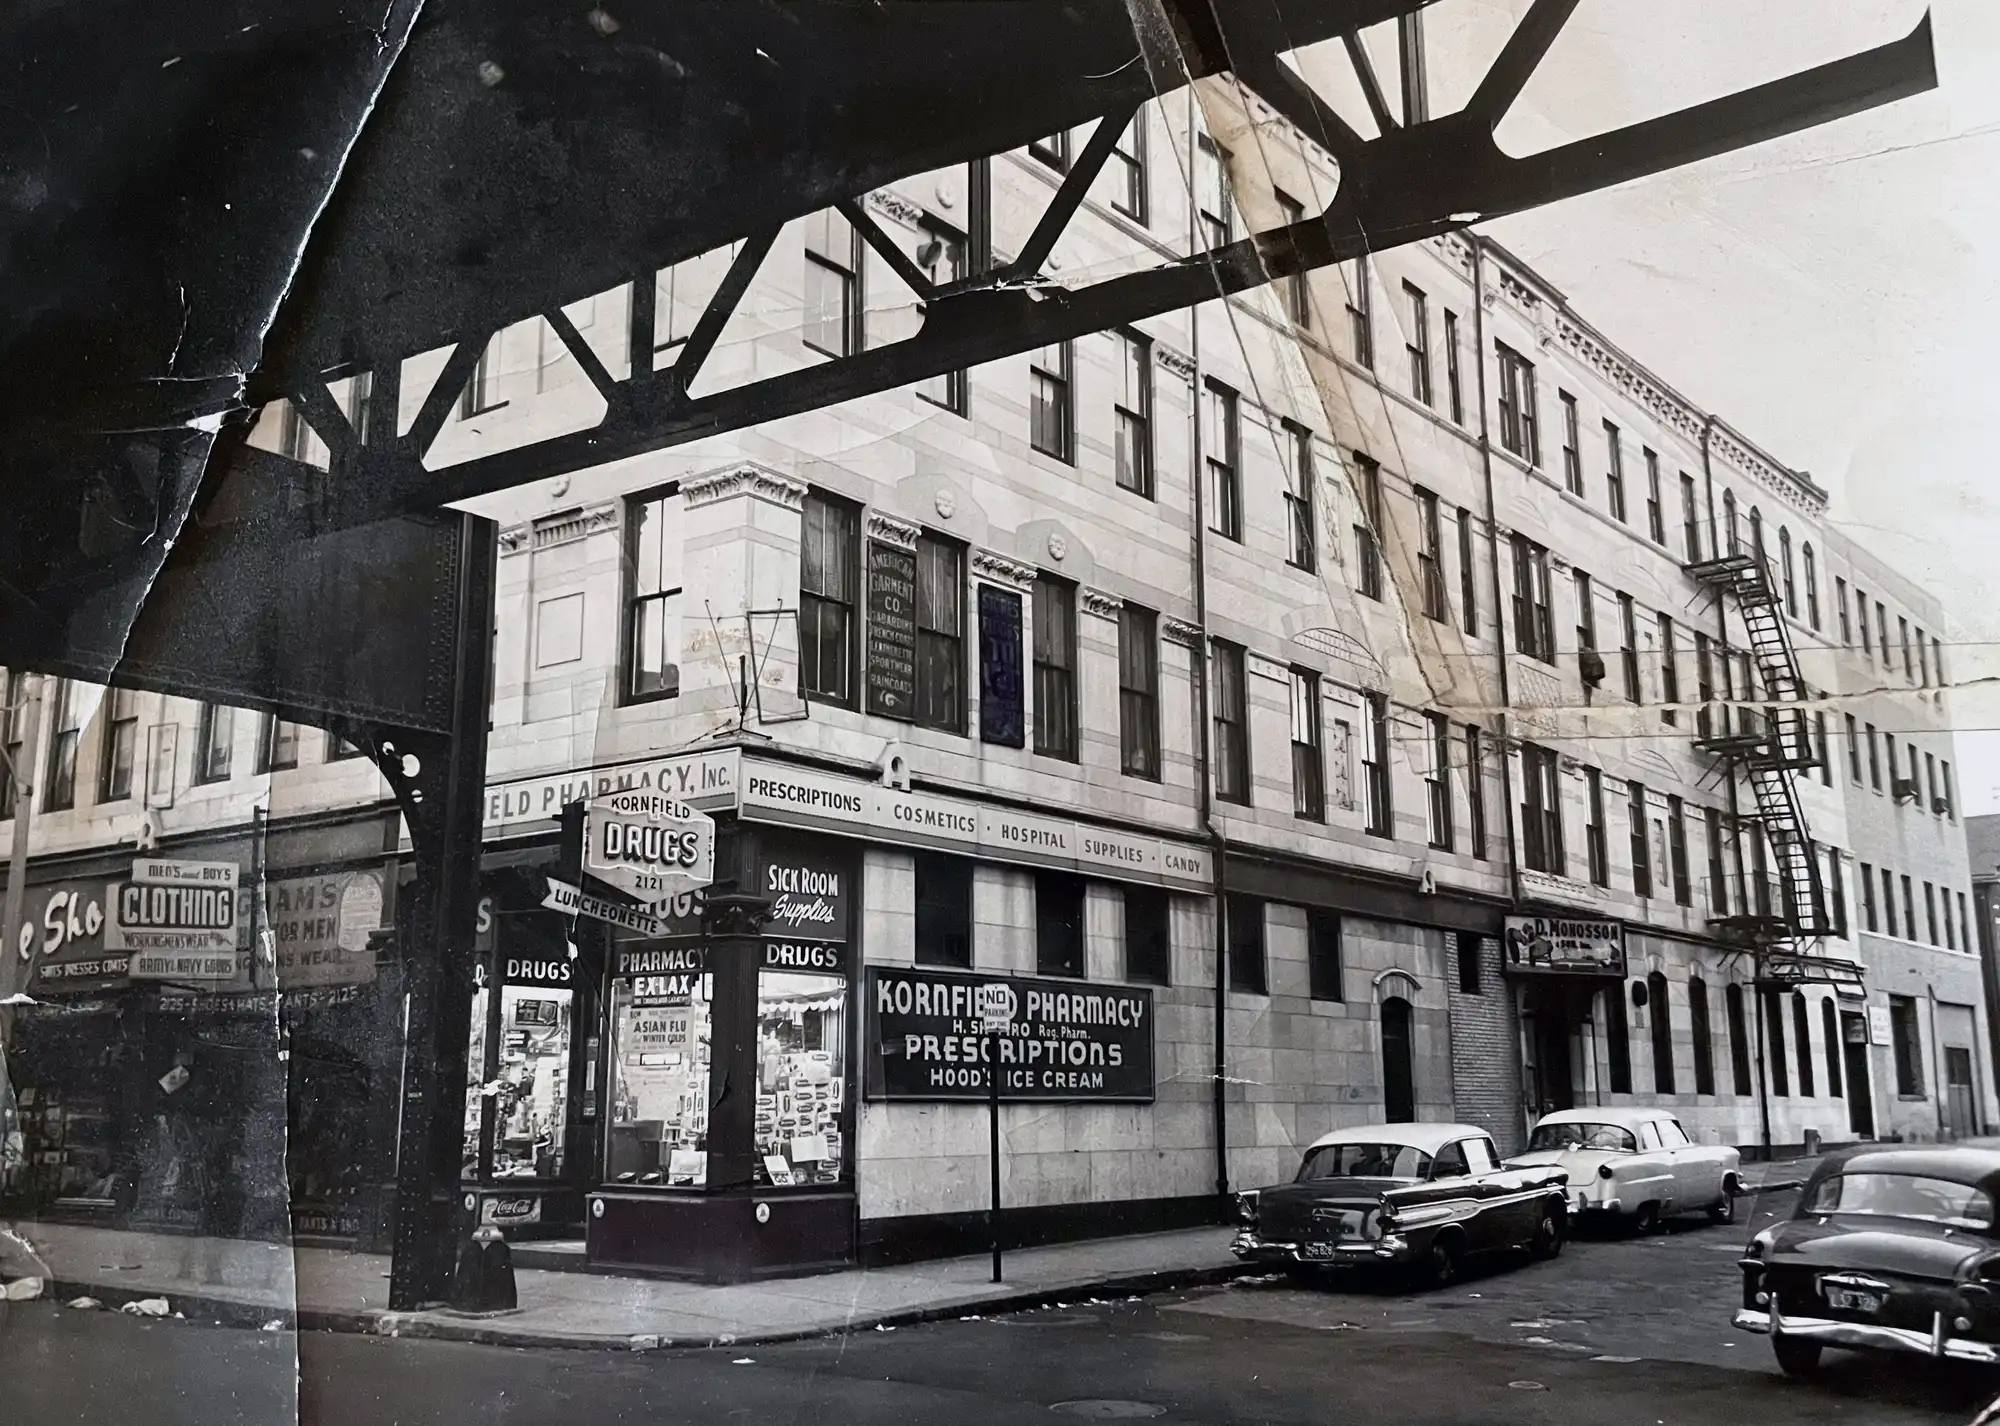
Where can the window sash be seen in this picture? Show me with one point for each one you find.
(1454, 381)
(214, 742)
(829, 568)
(1055, 669)
(1296, 442)
(940, 692)
(1138, 692)
(1418, 346)
(1134, 413)
(1475, 790)
(1129, 150)
(1220, 439)
(1308, 754)
(1438, 806)
(1231, 718)
(1430, 557)
(1380, 813)
(1468, 579)
(1049, 396)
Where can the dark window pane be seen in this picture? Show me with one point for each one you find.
(944, 910)
(1246, 944)
(1058, 924)
(1148, 944)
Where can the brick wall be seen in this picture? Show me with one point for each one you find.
(1486, 1054)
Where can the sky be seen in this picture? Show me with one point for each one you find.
(1834, 295)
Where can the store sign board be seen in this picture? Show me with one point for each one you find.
(892, 631)
(1564, 945)
(510, 1212)
(62, 938)
(707, 780)
(1066, 1040)
(573, 902)
(810, 885)
(803, 957)
(191, 966)
(152, 871)
(647, 844)
(1002, 702)
(800, 797)
(177, 916)
(1881, 1030)
(320, 927)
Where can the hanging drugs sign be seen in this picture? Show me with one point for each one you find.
(648, 845)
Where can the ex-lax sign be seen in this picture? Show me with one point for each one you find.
(648, 845)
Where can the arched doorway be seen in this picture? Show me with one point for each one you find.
(1399, 1080)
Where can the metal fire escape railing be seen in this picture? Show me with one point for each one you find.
(1768, 742)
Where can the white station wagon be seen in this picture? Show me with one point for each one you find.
(1635, 1164)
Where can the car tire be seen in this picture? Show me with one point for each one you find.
(1440, 1264)
(1796, 1356)
(1725, 1210)
(1646, 1221)
(1550, 1232)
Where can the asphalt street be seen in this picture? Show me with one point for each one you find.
(1613, 1331)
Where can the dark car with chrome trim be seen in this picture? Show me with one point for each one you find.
(1418, 1197)
(1891, 1249)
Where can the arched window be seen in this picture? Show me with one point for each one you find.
(1399, 1086)
(1829, 1024)
(1785, 561)
(1661, 1018)
(1729, 521)
(1704, 1053)
(1812, 585)
(1802, 1027)
(1739, 1039)
(1617, 1039)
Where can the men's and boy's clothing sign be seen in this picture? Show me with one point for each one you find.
(1565, 945)
(1066, 1040)
(178, 919)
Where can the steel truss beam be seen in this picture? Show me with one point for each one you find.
(1409, 183)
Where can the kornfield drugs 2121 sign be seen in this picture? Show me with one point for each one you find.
(1065, 1040)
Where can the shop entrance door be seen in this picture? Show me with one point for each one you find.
(1959, 1114)
(1399, 1088)
(1860, 1089)
(1552, 1073)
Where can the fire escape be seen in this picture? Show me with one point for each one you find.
(1780, 914)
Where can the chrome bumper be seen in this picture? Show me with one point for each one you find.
(1869, 1335)
(1253, 1249)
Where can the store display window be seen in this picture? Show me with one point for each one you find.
(475, 1079)
(801, 1079)
(660, 1038)
(531, 1089)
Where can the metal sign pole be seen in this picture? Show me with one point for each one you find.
(993, 1133)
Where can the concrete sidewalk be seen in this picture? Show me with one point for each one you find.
(260, 1284)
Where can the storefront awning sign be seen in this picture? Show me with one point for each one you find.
(647, 844)
(1565, 945)
(182, 927)
(62, 937)
(320, 927)
(153, 871)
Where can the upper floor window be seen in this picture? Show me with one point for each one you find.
(1368, 553)
(1656, 509)
(1051, 429)
(1642, 851)
(1139, 691)
(1812, 584)
(1596, 841)
(1628, 653)
(1903, 636)
(1134, 412)
(1222, 442)
(121, 745)
(16, 686)
(1670, 672)
(1430, 556)
(1468, 579)
(1418, 343)
(1861, 615)
(1128, 156)
(1518, 432)
(1731, 535)
(1295, 444)
(66, 726)
(940, 692)
(1308, 755)
(1534, 621)
(1614, 471)
(1052, 150)
(1380, 813)
(1437, 787)
(1787, 572)
(1690, 518)
(1055, 667)
(1840, 608)
(214, 742)
(1294, 290)
(277, 744)
(1541, 810)
(1231, 717)
(942, 256)
(1454, 379)
(653, 579)
(1361, 314)
(1215, 205)
(829, 576)
(1572, 445)
(833, 285)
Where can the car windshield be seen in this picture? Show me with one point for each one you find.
(1365, 1161)
(1904, 1195)
(1583, 1136)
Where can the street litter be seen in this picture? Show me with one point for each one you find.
(276, 1324)
(744, 1362)
(23, 1289)
(83, 1304)
(147, 1307)
(880, 1327)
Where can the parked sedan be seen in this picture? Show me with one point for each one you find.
(1637, 1166)
(1420, 1197)
(1891, 1250)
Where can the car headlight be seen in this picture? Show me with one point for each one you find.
(1605, 1171)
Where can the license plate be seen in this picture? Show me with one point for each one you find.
(1316, 1250)
(1846, 1299)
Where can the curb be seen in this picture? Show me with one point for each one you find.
(435, 1326)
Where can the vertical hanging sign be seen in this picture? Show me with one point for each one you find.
(1002, 713)
(892, 631)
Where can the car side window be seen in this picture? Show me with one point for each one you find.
(1649, 1137)
(1480, 1156)
(1672, 1135)
(1450, 1162)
